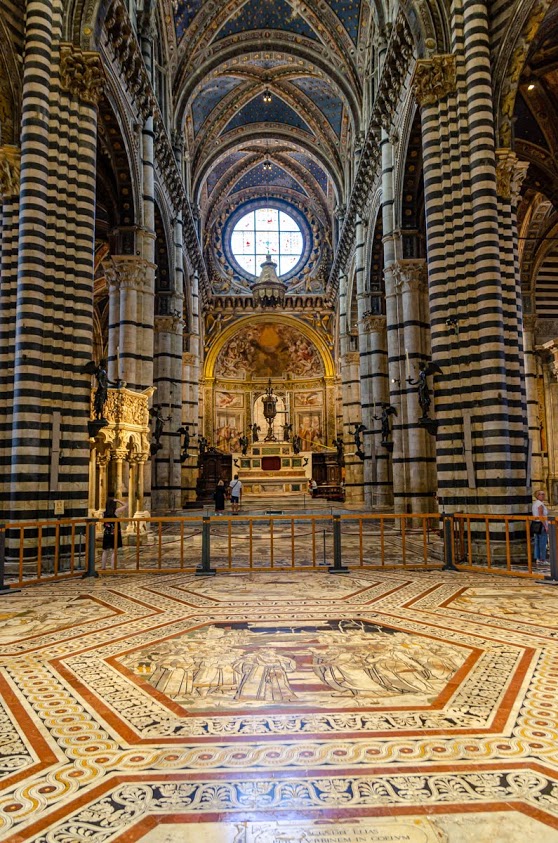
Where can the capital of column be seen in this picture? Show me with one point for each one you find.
(510, 172)
(434, 78)
(552, 348)
(408, 275)
(169, 325)
(81, 73)
(10, 166)
(133, 273)
(529, 322)
(350, 358)
(372, 324)
(189, 359)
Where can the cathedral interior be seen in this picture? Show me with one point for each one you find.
(308, 243)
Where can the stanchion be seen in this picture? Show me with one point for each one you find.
(4, 589)
(337, 567)
(448, 544)
(553, 578)
(205, 569)
(90, 571)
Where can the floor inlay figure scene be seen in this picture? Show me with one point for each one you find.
(263, 707)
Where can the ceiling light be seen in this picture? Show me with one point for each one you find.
(530, 86)
(267, 96)
(267, 165)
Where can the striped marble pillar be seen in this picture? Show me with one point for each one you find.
(130, 296)
(381, 486)
(395, 351)
(190, 412)
(420, 464)
(536, 478)
(366, 400)
(165, 482)
(481, 440)
(9, 223)
(53, 329)
(350, 386)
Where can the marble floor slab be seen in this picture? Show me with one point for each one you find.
(257, 707)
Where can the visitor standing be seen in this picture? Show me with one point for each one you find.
(235, 489)
(540, 527)
(219, 498)
(109, 542)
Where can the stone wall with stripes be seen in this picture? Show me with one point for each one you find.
(48, 443)
(480, 398)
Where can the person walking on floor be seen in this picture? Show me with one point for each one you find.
(112, 511)
(235, 488)
(219, 498)
(540, 527)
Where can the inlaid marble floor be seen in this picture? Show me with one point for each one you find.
(260, 707)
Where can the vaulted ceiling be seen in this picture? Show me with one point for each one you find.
(308, 56)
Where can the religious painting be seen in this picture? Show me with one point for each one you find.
(229, 400)
(310, 429)
(309, 399)
(228, 430)
(269, 350)
(304, 664)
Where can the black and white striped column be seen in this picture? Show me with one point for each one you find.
(53, 331)
(481, 440)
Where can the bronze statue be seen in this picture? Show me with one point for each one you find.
(101, 392)
(185, 433)
(424, 398)
(339, 444)
(387, 411)
(243, 442)
(255, 428)
(156, 414)
(287, 430)
(297, 443)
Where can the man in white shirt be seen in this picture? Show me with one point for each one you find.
(235, 488)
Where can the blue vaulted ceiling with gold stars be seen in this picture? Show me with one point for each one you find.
(269, 94)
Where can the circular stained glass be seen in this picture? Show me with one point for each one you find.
(266, 231)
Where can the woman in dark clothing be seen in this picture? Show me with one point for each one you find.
(219, 498)
(112, 511)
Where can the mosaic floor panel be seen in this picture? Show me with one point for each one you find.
(275, 706)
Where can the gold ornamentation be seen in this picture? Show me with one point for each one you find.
(434, 79)
(510, 173)
(169, 324)
(81, 74)
(10, 164)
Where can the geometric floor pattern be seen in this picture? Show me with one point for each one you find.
(280, 706)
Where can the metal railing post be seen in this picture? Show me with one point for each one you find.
(553, 552)
(205, 569)
(337, 567)
(448, 544)
(91, 526)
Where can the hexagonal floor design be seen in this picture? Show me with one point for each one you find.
(262, 707)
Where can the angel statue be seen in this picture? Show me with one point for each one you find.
(425, 369)
(156, 414)
(359, 428)
(387, 411)
(102, 388)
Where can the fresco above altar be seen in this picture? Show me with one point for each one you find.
(268, 350)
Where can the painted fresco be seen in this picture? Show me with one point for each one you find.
(229, 400)
(227, 432)
(310, 429)
(269, 351)
(308, 399)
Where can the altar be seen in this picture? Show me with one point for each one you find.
(273, 469)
